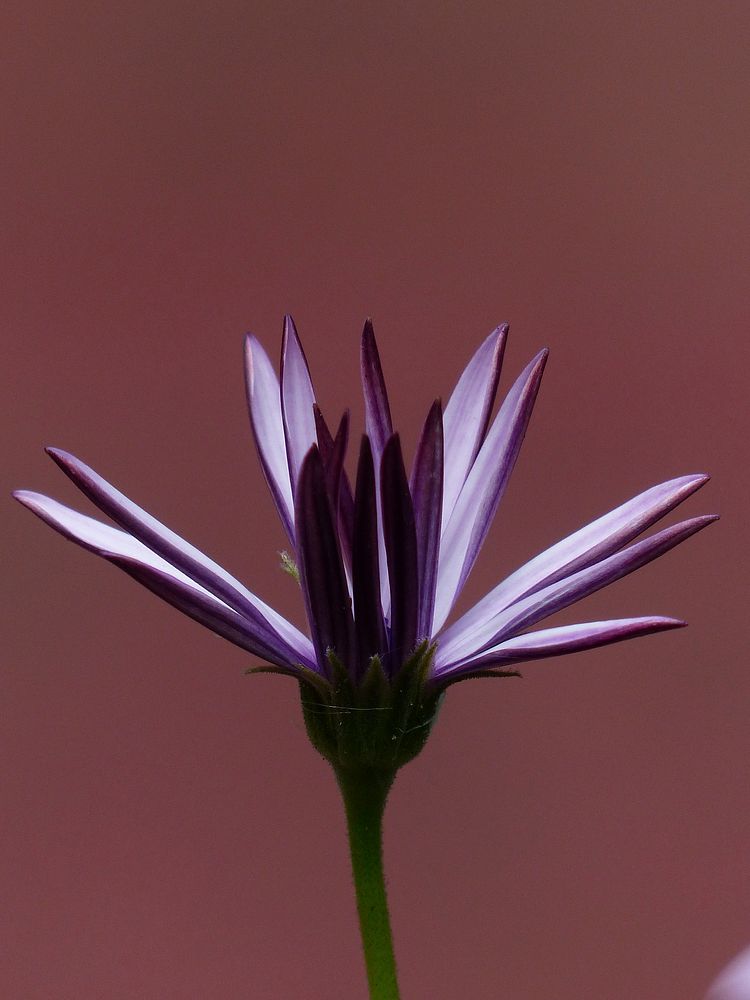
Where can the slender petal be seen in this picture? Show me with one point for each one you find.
(368, 613)
(181, 554)
(264, 401)
(333, 462)
(377, 409)
(158, 575)
(297, 401)
(563, 639)
(467, 415)
(543, 603)
(484, 488)
(203, 608)
(379, 428)
(321, 569)
(342, 500)
(584, 547)
(401, 550)
(427, 496)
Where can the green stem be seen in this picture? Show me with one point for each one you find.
(364, 794)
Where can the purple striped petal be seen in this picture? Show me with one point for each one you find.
(427, 496)
(484, 487)
(332, 455)
(467, 415)
(543, 603)
(159, 576)
(557, 641)
(181, 554)
(202, 607)
(401, 551)
(377, 409)
(343, 501)
(379, 428)
(584, 547)
(264, 401)
(321, 568)
(368, 613)
(297, 401)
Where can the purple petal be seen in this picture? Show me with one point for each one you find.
(264, 400)
(377, 409)
(584, 547)
(342, 500)
(467, 415)
(401, 551)
(484, 487)
(379, 428)
(733, 983)
(543, 603)
(368, 613)
(297, 400)
(159, 576)
(321, 568)
(427, 495)
(181, 554)
(332, 454)
(203, 608)
(557, 641)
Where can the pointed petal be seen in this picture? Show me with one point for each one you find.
(204, 608)
(590, 544)
(401, 551)
(379, 428)
(321, 569)
(467, 414)
(368, 613)
(159, 576)
(297, 400)
(484, 488)
(332, 452)
(264, 401)
(543, 603)
(557, 641)
(181, 554)
(427, 495)
(342, 500)
(377, 409)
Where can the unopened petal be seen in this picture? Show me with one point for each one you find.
(401, 551)
(321, 568)
(379, 428)
(427, 495)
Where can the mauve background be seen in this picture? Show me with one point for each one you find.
(174, 174)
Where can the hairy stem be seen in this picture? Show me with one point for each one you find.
(365, 792)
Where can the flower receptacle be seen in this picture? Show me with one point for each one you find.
(374, 724)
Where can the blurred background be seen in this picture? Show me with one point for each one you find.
(175, 174)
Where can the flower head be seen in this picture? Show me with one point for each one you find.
(381, 562)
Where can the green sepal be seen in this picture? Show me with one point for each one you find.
(479, 674)
(376, 724)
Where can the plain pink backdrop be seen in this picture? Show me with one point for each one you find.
(174, 174)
